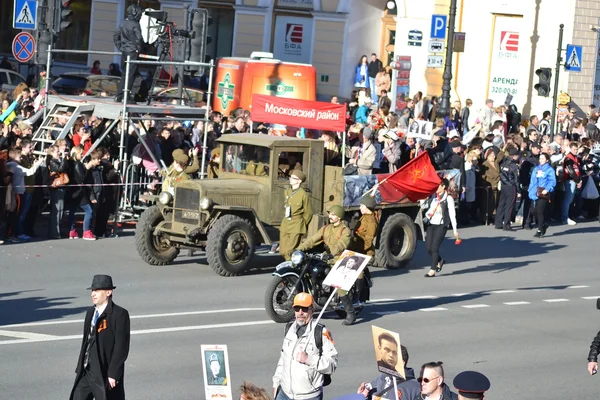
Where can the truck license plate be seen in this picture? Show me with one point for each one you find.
(190, 214)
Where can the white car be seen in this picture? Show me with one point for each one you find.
(9, 80)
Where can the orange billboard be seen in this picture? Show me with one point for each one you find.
(237, 79)
(228, 85)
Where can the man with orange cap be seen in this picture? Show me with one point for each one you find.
(308, 356)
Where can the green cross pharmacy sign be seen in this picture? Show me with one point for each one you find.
(225, 91)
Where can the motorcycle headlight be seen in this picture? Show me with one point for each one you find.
(165, 198)
(205, 203)
(297, 257)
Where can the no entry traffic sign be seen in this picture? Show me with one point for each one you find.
(23, 47)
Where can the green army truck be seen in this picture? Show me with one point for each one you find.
(231, 216)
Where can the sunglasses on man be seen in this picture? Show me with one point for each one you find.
(304, 309)
(426, 380)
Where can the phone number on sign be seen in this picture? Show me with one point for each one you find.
(497, 89)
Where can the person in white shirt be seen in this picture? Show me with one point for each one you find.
(18, 187)
(440, 216)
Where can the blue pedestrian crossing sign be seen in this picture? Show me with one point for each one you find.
(573, 58)
(25, 14)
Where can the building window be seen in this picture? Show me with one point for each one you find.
(77, 36)
(6, 30)
(302, 4)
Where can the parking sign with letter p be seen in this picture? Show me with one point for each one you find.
(438, 26)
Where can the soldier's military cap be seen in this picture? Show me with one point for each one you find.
(368, 202)
(471, 384)
(336, 210)
(299, 174)
(213, 357)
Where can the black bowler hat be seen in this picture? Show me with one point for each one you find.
(471, 384)
(102, 282)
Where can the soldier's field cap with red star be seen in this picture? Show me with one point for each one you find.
(471, 384)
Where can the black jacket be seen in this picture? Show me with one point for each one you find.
(441, 154)
(509, 172)
(528, 163)
(128, 37)
(593, 355)
(112, 336)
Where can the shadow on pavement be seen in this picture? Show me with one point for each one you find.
(374, 311)
(34, 309)
(575, 231)
(497, 268)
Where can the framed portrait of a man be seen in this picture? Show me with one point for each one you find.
(215, 365)
(346, 270)
(387, 352)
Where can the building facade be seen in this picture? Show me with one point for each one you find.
(506, 41)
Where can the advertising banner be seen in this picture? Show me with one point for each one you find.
(299, 113)
(293, 39)
(506, 62)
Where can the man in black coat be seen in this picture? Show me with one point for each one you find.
(128, 39)
(105, 346)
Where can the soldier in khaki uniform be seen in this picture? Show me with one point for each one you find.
(362, 240)
(298, 214)
(176, 173)
(336, 236)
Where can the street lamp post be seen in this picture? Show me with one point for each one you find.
(444, 108)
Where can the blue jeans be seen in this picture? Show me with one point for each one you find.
(25, 205)
(282, 396)
(570, 188)
(87, 216)
(373, 90)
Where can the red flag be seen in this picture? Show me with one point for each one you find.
(416, 180)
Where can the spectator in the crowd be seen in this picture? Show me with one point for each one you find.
(95, 70)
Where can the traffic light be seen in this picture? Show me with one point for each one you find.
(543, 85)
(44, 40)
(200, 38)
(65, 12)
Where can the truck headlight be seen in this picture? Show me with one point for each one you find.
(165, 198)
(205, 203)
(297, 257)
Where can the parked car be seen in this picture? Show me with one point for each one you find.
(191, 97)
(76, 83)
(9, 80)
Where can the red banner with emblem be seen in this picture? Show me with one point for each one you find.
(299, 113)
(416, 180)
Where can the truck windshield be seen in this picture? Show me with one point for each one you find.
(246, 159)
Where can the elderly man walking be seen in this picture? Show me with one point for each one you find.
(104, 348)
(308, 356)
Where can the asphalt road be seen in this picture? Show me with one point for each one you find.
(520, 310)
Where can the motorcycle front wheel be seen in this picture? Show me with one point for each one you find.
(279, 298)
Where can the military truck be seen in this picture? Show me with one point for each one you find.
(230, 216)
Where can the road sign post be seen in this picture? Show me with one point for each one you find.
(555, 95)
(438, 26)
(23, 47)
(25, 14)
(573, 58)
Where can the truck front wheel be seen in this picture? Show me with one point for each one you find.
(397, 242)
(153, 248)
(230, 245)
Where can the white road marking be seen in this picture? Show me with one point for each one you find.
(49, 338)
(423, 297)
(475, 306)
(460, 294)
(540, 289)
(577, 287)
(25, 335)
(516, 303)
(502, 291)
(178, 314)
(590, 297)
(381, 300)
(433, 309)
(555, 300)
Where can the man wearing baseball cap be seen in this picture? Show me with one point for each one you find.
(303, 366)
